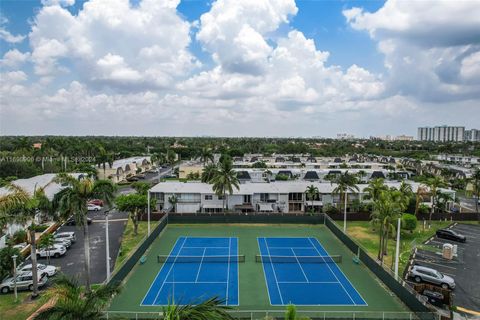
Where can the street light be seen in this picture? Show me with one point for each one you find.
(14, 257)
(107, 245)
(148, 211)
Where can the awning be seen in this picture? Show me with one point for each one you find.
(265, 207)
(212, 206)
(244, 206)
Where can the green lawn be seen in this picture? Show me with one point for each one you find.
(367, 236)
(23, 308)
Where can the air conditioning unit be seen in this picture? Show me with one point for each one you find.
(447, 251)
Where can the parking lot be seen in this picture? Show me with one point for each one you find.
(72, 263)
(464, 268)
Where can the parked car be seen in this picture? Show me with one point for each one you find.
(96, 202)
(50, 271)
(140, 176)
(20, 246)
(425, 274)
(450, 235)
(24, 282)
(71, 221)
(93, 207)
(132, 179)
(54, 251)
(435, 298)
(66, 235)
(63, 242)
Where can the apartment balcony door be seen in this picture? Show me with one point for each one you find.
(247, 198)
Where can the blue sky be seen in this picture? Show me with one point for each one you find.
(226, 67)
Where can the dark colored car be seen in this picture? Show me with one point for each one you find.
(96, 202)
(71, 221)
(435, 298)
(450, 235)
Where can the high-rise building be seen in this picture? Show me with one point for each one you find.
(472, 135)
(441, 133)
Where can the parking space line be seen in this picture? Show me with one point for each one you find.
(436, 264)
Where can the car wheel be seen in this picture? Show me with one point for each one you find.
(5, 290)
(30, 287)
(56, 255)
(96, 209)
(445, 286)
(418, 279)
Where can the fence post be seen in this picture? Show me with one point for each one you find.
(383, 315)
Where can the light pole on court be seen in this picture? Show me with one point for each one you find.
(107, 241)
(148, 212)
(14, 257)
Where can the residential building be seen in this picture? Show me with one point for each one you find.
(472, 135)
(121, 169)
(280, 197)
(441, 134)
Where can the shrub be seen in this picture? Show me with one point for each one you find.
(409, 222)
(19, 237)
(40, 228)
(6, 261)
(423, 209)
(281, 177)
(329, 209)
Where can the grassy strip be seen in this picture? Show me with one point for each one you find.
(130, 241)
(368, 237)
(23, 308)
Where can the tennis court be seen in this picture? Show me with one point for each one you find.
(300, 271)
(197, 268)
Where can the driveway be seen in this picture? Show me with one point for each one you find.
(72, 263)
(464, 269)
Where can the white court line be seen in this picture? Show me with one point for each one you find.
(273, 269)
(309, 282)
(348, 280)
(200, 267)
(207, 247)
(288, 247)
(198, 282)
(151, 285)
(169, 270)
(301, 268)
(228, 269)
(332, 271)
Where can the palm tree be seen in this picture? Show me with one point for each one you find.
(210, 309)
(345, 182)
(375, 189)
(47, 241)
(419, 196)
(311, 193)
(475, 180)
(73, 201)
(208, 172)
(434, 184)
(173, 200)
(205, 154)
(21, 207)
(225, 179)
(443, 199)
(385, 210)
(73, 302)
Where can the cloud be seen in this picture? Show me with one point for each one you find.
(14, 58)
(149, 42)
(430, 48)
(63, 3)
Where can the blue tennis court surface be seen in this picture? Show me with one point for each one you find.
(301, 280)
(192, 273)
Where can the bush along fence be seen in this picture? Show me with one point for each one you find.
(130, 262)
(403, 291)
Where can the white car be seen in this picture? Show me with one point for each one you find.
(63, 242)
(93, 207)
(66, 235)
(54, 251)
(24, 282)
(50, 271)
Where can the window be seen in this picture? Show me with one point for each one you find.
(263, 197)
(298, 196)
(247, 198)
(208, 197)
(220, 197)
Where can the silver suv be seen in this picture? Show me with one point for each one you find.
(425, 274)
(24, 282)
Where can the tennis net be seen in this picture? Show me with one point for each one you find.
(202, 259)
(298, 259)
